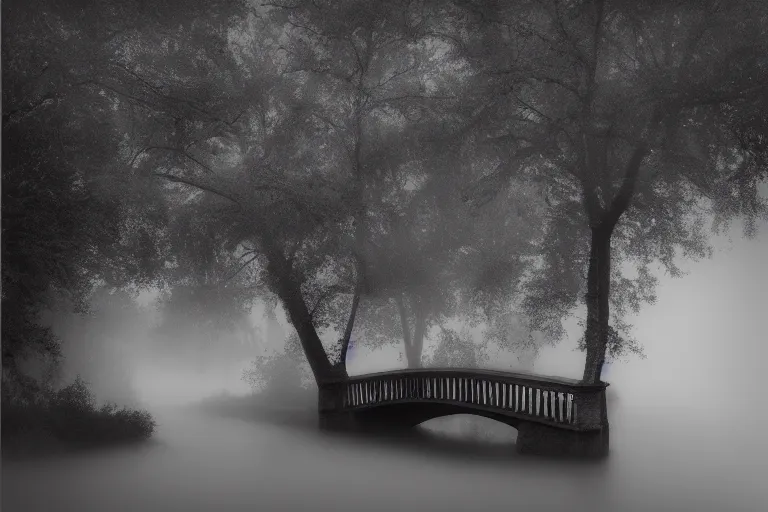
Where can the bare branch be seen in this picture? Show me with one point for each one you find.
(241, 268)
(202, 186)
(174, 150)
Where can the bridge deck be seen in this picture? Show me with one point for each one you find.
(558, 402)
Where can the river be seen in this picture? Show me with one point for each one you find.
(200, 461)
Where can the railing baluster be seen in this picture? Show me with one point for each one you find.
(562, 398)
(553, 405)
(538, 401)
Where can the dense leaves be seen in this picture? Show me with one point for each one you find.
(378, 169)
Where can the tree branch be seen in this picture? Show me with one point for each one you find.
(201, 186)
(621, 202)
(174, 150)
(241, 268)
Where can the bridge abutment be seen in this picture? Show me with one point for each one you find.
(535, 438)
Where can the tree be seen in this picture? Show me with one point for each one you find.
(457, 349)
(639, 118)
(65, 228)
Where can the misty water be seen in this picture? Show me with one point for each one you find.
(686, 434)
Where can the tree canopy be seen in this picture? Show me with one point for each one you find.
(377, 167)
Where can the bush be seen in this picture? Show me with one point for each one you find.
(69, 417)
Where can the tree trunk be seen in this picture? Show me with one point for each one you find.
(413, 342)
(598, 295)
(419, 331)
(289, 292)
(348, 331)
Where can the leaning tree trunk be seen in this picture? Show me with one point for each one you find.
(342, 364)
(289, 292)
(598, 295)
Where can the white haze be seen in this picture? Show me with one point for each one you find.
(686, 431)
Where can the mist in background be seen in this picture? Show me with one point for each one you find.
(686, 424)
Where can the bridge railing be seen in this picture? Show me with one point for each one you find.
(560, 402)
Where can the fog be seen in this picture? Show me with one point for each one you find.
(686, 427)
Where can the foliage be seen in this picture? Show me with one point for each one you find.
(633, 116)
(65, 225)
(379, 166)
(457, 349)
(279, 376)
(71, 418)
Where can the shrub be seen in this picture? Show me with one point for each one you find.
(70, 417)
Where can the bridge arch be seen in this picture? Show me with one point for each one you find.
(551, 415)
(411, 414)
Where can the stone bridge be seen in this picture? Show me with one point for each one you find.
(553, 416)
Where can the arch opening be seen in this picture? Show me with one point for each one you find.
(470, 427)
